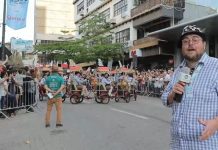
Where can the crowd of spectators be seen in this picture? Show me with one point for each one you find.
(19, 86)
(17, 89)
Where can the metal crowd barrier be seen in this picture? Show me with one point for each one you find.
(142, 89)
(22, 96)
(150, 88)
(155, 89)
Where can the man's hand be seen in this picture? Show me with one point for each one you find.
(211, 126)
(179, 87)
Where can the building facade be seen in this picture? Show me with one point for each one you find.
(54, 19)
(54, 22)
(134, 20)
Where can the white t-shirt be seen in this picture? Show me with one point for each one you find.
(3, 85)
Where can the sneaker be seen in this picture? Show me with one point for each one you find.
(47, 125)
(59, 125)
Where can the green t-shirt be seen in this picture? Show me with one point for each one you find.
(54, 82)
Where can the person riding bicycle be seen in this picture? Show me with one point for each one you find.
(106, 82)
(80, 83)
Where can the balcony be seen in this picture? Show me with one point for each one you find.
(155, 9)
(152, 4)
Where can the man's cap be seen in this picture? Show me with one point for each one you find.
(191, 29)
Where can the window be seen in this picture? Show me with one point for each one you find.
(120, 7)
(123, 36)
(106, 14)
(89, 2)
(80, 7)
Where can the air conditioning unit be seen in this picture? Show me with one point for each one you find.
(81, 13)
(124, 14)
(112, 21)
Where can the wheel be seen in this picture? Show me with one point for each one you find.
(135, 95)
(127, 97)
(81, 99)
(105, 99)
(116, 98)
(97, 100)
(75, 99)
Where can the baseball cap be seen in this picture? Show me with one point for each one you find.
(191, 29)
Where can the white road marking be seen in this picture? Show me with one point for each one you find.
(131, 114)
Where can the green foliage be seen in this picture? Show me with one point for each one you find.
(94, 43)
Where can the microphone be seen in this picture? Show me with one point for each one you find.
(185, 77)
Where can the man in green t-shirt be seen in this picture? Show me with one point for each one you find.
(54, 84)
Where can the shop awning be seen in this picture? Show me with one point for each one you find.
(64, 65)
(75, 68)
(103, 69)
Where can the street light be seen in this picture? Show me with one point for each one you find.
(3, 33)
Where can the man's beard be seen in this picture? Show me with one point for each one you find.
(194, 58)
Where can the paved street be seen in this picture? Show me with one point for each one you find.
(138, 125)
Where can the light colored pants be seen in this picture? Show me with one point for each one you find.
(58, 104)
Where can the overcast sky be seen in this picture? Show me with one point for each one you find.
(210, 3)
(25, 33)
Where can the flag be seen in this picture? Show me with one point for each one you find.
(100, 63)
(89, 69)
(16, 13)
(72, 63)
(120, 64)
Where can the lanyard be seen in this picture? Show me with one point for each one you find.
(194, 73)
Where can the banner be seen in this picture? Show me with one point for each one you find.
(16, 13)
(21, 45)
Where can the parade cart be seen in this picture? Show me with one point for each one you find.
(73, 91)
(101, 93)
(125, 87)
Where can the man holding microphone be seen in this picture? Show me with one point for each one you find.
(192, 94)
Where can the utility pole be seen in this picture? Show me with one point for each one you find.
(3, 32)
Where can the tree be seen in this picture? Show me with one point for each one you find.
(96, 42)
